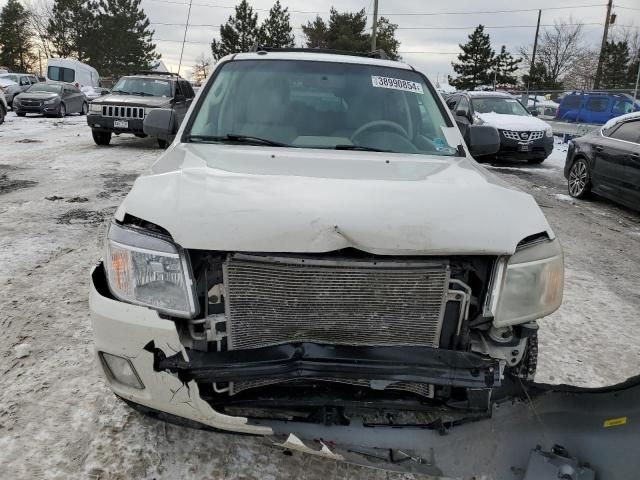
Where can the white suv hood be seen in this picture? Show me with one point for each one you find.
(257, 199)
(518, 123)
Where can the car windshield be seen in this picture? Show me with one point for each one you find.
(322, 105)
(502, 105)
(143, 86)
(44, 87)
(9, 76)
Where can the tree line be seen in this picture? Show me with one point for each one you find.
(563, 61)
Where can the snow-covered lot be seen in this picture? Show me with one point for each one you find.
(58, 419)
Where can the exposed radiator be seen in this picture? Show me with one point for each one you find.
(276, 300)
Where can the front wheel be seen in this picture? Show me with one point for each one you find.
(101, 138)
(62, 111)
(2, 114)
(21, 114)
(579, 179)
(85, 108)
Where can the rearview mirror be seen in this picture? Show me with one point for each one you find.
(482, 140)
(160, 123)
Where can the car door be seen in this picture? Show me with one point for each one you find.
(24, 83)
(612, 153)
(596, 110)
(71, 100)
(628, 136)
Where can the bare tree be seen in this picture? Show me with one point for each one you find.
(201, 69)
(582, 74)
(559, 48)
(40, 13)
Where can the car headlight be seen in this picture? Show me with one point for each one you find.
(16, 100)
(50, 102)
(95, 107)
(531, 284)
(548, 132)
(149, 270)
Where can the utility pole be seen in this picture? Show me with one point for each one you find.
(533, 55)
(596, 83)
(185, 36)
(374, 27)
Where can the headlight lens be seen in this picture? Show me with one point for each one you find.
(50, 102)
(532, 284)
(95, 107)
(150, 271)
(549, 132)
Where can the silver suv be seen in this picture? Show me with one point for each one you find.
(22, 82)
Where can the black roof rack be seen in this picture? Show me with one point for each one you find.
(152, 72)
(380, 53)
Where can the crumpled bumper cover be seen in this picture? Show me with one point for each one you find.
(301, 360)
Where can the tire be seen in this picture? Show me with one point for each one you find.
(579, 182)
(62, 111)
(2, 114)
(21, 114)
(101, 138)
(162, 143)
(85, 108)
(536, 161)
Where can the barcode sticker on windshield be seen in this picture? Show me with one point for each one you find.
(396, 84)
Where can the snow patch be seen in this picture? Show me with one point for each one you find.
(564, 198)
(22, 350)
(619, 119)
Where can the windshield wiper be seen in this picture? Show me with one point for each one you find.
(359, 148)
(121, 91)
(233, 137)
(142, 94)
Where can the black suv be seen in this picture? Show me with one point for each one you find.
(125, 108)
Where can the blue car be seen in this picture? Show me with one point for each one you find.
(594, 107)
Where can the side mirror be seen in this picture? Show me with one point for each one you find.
(534, 111)
(482, 140)
(179, 98)
(462, 113)
(160, 123)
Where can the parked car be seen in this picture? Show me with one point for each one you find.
(607, 162)
(4, 107)
(51, 99)
(132, 98)
(22, 81)
(318, 236)
(72, 71)
(594, 107)
(522, 135)
(94, 92)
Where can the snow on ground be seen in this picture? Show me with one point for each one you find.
(59, 421)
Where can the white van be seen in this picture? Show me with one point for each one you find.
(72, 71)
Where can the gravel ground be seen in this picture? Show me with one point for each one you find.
(58, 419)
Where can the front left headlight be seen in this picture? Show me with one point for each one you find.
(532, 284)
(548, 132)
(149, 270)
(53, 101)
(95, 107)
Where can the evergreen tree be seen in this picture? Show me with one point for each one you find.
(632, 72)
(615, 65)
(476, 61)
(504, 67)
(239, 34)
(15, 38)
(71, 28)
(123, 41)
(315, 33)
(347, 31)
(276, 31)
(541, 79)
(386, 38)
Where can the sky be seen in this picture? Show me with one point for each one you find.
(429, 36)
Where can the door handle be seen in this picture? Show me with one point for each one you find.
(599, 148)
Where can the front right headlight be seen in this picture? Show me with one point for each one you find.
(532, 284)
(149, 270)
(95, 107)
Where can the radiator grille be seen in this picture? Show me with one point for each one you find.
(522, 136)
(271, 301)
(122, 111)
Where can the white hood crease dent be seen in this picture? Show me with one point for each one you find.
(513, 122)
(257, 199)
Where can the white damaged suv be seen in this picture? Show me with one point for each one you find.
(318, 239)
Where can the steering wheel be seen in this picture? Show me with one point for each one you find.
(380, 123)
